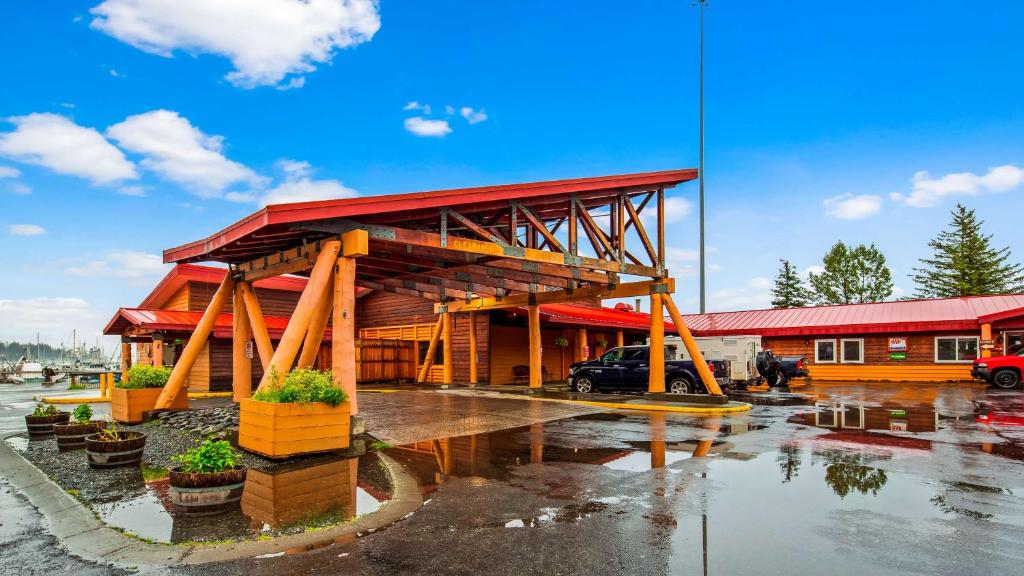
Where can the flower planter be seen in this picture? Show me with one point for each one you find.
(128, 404)
(112, 454)
(200, 494)
(71, 436)
(40, 427)
(283, 430)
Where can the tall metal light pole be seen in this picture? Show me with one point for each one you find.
(703, 268)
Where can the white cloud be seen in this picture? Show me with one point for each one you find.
(128, 264)
(755, 294)
(676, 209)
(927, 191)
(473, 116)
(19, 189)
(265, 41)
(132, 191)
(414, 105)
(53, 317)
(423, 127)
(9, 172)
(26, 229)
(57, 143)
(850, 207)
(181, 153)
(812, 269)
(298, 186)
(116, 74)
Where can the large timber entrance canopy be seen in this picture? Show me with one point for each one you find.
(468, 249)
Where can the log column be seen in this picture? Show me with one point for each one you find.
(581, 345)
(126, 358)
(536, 368)
(620, 339)
(472, 350)
(343, 330)
(257, 324)
(241, 335)
(656, 362)
(446, 335)
(986, 334)
(157, 349)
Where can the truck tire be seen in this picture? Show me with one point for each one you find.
(778, 380)
(583, 384)
(1006, 379)
(680, 385)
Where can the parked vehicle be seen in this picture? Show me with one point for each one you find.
(739, 352)
(626, 369)
(1000, 371)
(779, 370)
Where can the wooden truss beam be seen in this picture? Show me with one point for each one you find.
(630, 289)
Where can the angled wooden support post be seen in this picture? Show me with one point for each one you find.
(317, 325)
(691, 346)
(472, 349)
(283, 358)
(257, 323)
(446, 336)
(428, 362)
(343, 329)
(157, 349)
(176, 383)
(536, 367)
(241, 335)
(656, 361)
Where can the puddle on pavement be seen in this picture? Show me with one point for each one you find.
(788, 482)
(278, 499)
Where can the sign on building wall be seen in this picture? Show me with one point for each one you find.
(898, 344)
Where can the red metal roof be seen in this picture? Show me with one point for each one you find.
(268, 229)
(585, 316)
(945, 314)
(173, 321)
(183, 273)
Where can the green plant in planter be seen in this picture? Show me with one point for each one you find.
(111, 433)
(301, 386)
(143, 376)
(82, 414)
(562, 342)
(44, 410)
(210, 456)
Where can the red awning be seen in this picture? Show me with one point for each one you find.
(173, 321)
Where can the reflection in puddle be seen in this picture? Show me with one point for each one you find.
(278, 499)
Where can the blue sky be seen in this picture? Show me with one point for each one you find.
(131, 127)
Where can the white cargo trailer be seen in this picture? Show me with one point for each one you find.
(739, 351)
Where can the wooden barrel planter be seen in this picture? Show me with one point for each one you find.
(71, 436)
(202, 494)
(112, 454)
(40, 427)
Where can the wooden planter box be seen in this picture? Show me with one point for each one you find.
(283, 497)
(284, 430)
(127, 404)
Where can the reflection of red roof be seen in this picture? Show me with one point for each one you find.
(183, 273)
(173, 321)
(585, 316)
(904, 316)
(875, 439)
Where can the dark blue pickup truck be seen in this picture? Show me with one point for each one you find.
(626, 369)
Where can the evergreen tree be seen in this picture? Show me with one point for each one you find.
(965, 264)
(852, 276)
(789, 291)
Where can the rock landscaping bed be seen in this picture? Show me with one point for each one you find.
(204, 421)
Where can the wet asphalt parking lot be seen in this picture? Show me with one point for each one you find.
(876, 479)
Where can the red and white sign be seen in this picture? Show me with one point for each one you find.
(898, 344)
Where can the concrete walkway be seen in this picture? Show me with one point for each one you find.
(410, 416)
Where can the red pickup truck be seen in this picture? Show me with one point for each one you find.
(1000, 371)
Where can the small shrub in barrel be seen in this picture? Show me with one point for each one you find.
(138, 393)
(71, 436)
(40, 422)
(304, 414)
(112, 447)
(207, 480)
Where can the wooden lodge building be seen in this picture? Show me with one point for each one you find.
(393, 332)
(912, 341)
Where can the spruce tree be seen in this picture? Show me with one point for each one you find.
(852, 276)
(789, 291)
(965, 264)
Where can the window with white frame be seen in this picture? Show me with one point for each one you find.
(825, 351)
(852, 350)
(956, 348)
